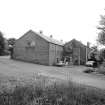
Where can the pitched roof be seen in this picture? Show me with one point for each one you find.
(48, 39)
(76, 43)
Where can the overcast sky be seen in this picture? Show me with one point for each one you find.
(64, 19)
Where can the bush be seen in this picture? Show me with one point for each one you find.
(89, 70)
(101, 69)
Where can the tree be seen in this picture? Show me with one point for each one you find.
(93, 53)
(2, 44)
(102, 53)
(101, 27)
(11, 41)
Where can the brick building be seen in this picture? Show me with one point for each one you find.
(38, 48)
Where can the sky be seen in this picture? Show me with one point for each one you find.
(64, 19)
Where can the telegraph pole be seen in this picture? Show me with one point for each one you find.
(87, 47)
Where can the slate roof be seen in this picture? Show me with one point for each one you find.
(48, 39)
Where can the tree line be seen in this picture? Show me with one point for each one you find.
(5, 44)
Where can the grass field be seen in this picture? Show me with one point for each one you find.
(48, 91)
(27, 84)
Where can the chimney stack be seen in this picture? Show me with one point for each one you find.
(61, 40)
(88, 44)
(41, 32)
(51, 36)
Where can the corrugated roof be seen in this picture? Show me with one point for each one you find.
(48, 39)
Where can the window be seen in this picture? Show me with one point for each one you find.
(30, 43)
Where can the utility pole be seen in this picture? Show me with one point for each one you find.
(79, 60)
(87, 47)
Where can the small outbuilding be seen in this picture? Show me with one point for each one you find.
(38, 48)
(75, 52)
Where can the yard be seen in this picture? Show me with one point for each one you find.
(24, 83)
(26, 71)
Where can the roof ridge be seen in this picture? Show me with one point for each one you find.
(51, 40)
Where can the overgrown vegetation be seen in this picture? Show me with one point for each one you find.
(2, 44)
(101, 27)
(101, 68)
(11, 41)
(52, 94)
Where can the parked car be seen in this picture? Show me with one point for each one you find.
(90, 63)
(60, 63)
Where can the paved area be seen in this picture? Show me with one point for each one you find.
(75, 73)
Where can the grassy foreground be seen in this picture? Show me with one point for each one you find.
(38, 93)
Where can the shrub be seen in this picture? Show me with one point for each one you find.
(101, 69)
(89, 70)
